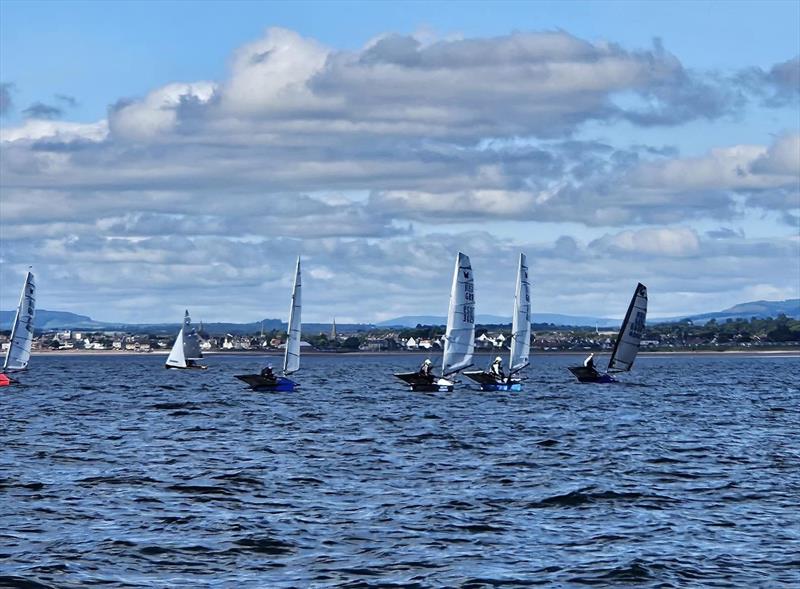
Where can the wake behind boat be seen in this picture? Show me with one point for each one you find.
(459, 340)
(626, 347)
(186, 349)
(266, 380)
(19, 349)
(494, 379)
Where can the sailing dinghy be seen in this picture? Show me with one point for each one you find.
(520, 338)
(627, 345)
(186, 349)
(266, 380)
(459, 339)
(19, 348)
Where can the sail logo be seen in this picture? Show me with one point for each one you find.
(637, 327)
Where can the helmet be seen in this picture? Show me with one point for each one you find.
(498, 359)
(427, 361)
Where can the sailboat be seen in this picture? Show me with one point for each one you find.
(459, 339)
(19, 348)
(186, 349)
(520, 338)
(627, 345)
(266, 380)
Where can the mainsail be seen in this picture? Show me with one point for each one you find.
(176, 356)
(291, 360)
(459, 341)
(630, 334)
(521, 319)
(191, 341)
(19, 349)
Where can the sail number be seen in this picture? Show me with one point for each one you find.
(469, 305)
(637, 327)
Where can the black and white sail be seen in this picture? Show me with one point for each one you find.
(19, 349)
(630, 334)
(459, 342)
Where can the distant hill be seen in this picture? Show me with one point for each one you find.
(759, 309)
(545, 318)
(45, 320)
(52, 320)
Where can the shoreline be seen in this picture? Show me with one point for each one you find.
(793, 352)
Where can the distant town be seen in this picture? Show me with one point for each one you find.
(780, 332)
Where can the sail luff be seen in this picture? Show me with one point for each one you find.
(459, 342)
(630, 333)
(521, 319)
(291, 359)
(19, 349)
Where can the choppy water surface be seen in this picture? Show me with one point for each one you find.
(116, 472)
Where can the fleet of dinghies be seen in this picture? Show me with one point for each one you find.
(458, 341)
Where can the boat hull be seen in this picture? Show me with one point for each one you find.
(257, 382)
(490, 382)
(584, 374)
(422, 384)
(194, 367)
(4, 380)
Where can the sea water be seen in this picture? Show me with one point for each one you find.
(118, 473)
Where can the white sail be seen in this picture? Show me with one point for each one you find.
(176, 357)
(191, 341)
(291, 360)
(19, 349)
(459, 341)
(521, 319)
(630, 334)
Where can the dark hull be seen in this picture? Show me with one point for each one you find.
(584, 374)
(490, 382)
(194, 367)
(261, 383)
(421, 384)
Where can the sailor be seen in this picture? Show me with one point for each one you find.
(426, 369)
(267, 372)
(589, 362)
(497, 368)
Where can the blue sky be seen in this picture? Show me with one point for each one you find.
(625, 137)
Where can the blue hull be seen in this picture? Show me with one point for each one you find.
(584, 374)
(513, 387)
(281, 384)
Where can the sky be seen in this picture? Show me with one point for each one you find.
(156, 156)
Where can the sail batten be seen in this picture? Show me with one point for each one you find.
(19, 349)
(521, 319)
(291, 360)
(459, 342)
(630, 334)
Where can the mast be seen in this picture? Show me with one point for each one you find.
(291, 359)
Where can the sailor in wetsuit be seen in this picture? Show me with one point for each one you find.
(589, 362)
(426, 370)
(267, 373)
(497, 369)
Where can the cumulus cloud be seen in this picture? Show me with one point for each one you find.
(40, 110)
(303, 148)
(778, 87)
